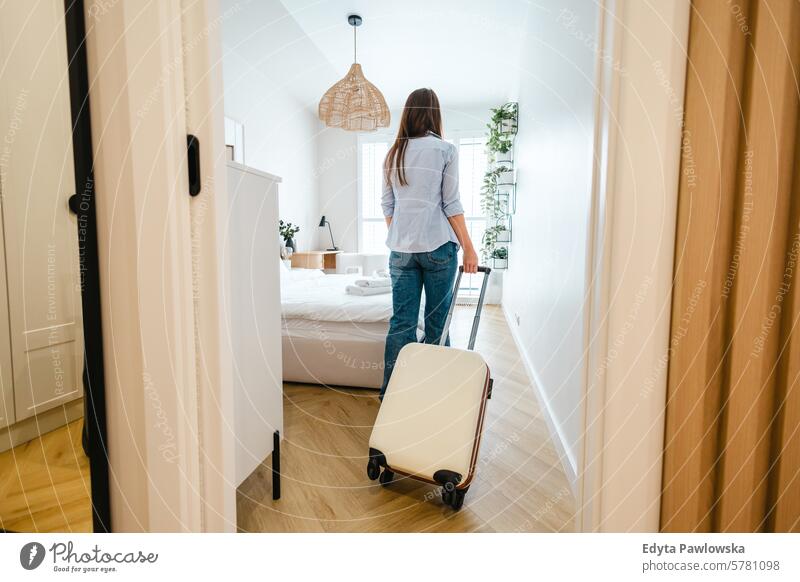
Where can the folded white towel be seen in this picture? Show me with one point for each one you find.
(362, 291)
(376, 282)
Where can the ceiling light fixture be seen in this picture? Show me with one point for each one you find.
(354, 104)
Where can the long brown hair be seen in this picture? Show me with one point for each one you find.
(421, 114)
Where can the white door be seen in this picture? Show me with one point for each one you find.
(40, 234)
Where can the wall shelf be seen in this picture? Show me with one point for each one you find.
(500, 200)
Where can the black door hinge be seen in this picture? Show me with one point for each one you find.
(193, 155)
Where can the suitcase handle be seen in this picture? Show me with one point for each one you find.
(476, 321)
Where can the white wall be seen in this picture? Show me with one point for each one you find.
(544, 285)
(338, 189)
(337, 170)
(280, 138)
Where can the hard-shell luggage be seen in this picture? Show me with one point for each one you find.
(430, 422)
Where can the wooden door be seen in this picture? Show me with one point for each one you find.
(40, 233)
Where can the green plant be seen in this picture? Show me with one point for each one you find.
(499, 141)
(489, 240)
(500, 253)
(490, 201)
(487, 243)
(287, 230)
(506, 112)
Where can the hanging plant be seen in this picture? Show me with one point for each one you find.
(504, 230)
(505, 174)
(502, 128)
(500, 258)
(499, 142)
(490, 202)
(488, 242)
(500, 253)
(491, 236)
(505, 118)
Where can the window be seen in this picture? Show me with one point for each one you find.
(372, 229)
(471, 169)
(472, 166)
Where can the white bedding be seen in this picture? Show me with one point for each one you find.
(311, 294)
(330, 337)
(334, 330)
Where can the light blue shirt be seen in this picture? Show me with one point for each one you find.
(420, 209)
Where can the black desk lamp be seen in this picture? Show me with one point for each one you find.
(322, 223)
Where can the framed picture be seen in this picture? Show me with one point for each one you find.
(234, 140)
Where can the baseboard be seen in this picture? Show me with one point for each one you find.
(559, 441)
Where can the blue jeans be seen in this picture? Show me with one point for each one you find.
(411, 272)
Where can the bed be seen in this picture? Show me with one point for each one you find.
(328, 336)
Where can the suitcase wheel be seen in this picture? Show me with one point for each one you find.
(376, 461)
(386, 477)
(450, 494)
(447, 496)
(373, 470)
(453, 497)
(458, 499)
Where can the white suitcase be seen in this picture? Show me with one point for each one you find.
(430, 422)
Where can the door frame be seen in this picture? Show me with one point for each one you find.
(607, 466)
(640, 79)
(93, 374)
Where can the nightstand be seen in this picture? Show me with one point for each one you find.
(315, 260)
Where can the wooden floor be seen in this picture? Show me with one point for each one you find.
(45, 485)
(520, 484)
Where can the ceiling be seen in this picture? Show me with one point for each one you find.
(468, 51)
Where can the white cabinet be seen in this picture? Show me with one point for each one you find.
(40, 292)
(252, 302)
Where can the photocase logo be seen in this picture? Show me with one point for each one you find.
(31, 555)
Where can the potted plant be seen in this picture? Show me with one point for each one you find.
(505, 118)
(492, 236)
(505, 174)
(500, 258)
(503, 230)
(498, 184)
(287, 230)
(503, 234)
(507, 200)
(502, 128)
(499, 145)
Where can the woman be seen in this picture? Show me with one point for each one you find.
(426, 225)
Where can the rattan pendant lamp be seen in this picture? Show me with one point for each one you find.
(354, 104)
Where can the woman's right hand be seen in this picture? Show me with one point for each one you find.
(470, 260)
(462, 234)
